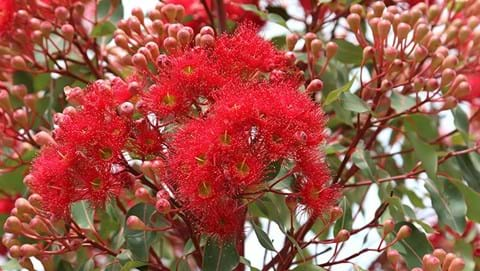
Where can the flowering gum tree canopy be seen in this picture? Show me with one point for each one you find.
(181, 138)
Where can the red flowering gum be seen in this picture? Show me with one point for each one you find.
(474, 95)
(7, 9)
(145, 140)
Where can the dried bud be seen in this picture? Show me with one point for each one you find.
(404, 232)
(68, 32)
(291, 40)
(18, 63)
(13, 225)
(331, 49)
(135, 223)
(354, 22)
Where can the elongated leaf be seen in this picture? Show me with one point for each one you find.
(139, 242)
(361, 158)
(103, 29)
(427, 155)
(336, 93)
(220, 257)
(275, 18)
(472, 198)
(349, 53)
(401, 103)
(448, 203)
(345, 222)
(413, 247)
(353, 103)
(82, 213)
(469, 167)
(263, 237)
(461, 122)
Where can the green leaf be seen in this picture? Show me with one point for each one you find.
(139, 242)
(413, 247)
(427, 155)
(246, 262)
(24, 78)
(349, 53)
(275, 18)
(449, 204)
(132, 264)
(307, 267)
(346, 221)
(426, 127)
(335, 94)
(254, 9)
(103, 29)
(472, 198)
(12, 264)
(82, 213)
(87, 266)
(113, 7)
(469, 165)
(401, 103)
(362, 159)
(40, 81)
(263, 237)
(353, 103)
(220, 257)
(461, 122)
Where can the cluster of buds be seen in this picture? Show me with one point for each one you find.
(42, 24)
(438, 260)
(410, 53)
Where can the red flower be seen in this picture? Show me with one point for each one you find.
(7, 9)
(474, 96)
(6, 205)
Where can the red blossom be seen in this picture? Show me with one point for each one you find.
(474, 95)
(7, 9)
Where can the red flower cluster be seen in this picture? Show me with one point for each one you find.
(251, 115)
(85, 162)
(7, 8)
(474, 95)
(198, 17)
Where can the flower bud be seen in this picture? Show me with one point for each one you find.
(5, 103)
(421, 31)
(378, 8)
(440, 254)
(388, 227)
(39, 226)
(170, 44)
(433, 12)
(143, 195)
(404, 232)
(207, 41)
(13, 225)
(139, 61)
(169, 12)
(342, 236)
(62, 14)
(357, 9)
(43, 138)
(14, 251)
(46, 28)
(20, 117)
(180, 13)
(135, 223)
(420, 54)
(335, 213)
(126, 109)
(462, 90)
(450, 62)
(402, 30)
(18, 63)
(447, 76)
(30, 101)
(162, 206)
(383, 29)
(434, 43)
(448, 261)
(35, 199)
(137, 12)
(158, 27)
(432, 84)
(354, 22)
(390, 54)
(37, 37)
(314, 86)
(331, 49)
(184, 37)
(24, 207)
(8, 240)
(464, 33)
(458, 264)
(393, 256)
(28, 250)
(68, 32)
(368, 53)
(207, 30)
(430, 263)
